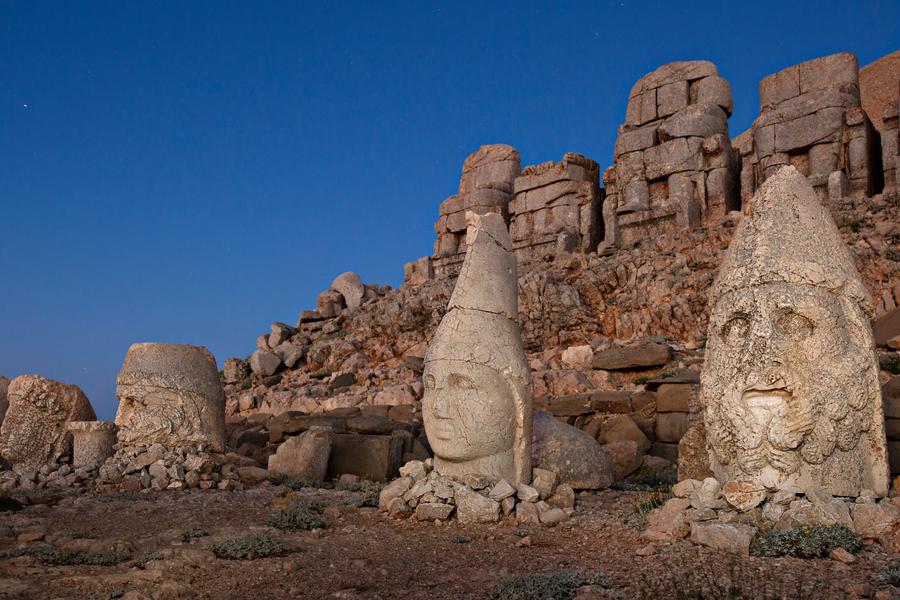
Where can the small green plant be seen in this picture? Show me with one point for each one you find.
(635, 515)
(194, 533)
(889, 574)
(300, 514)
(854, 225)
(248, 547)
(459, 538)
(141, 562)
(893, 255)
(54, 557)
(805, 541)
(550, 586)
(368, 496)
(110, 594)
(890, 363)
(648, 480)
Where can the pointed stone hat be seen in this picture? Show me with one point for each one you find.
(788, 236)
(481, 325)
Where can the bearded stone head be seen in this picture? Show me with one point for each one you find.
(790, 386)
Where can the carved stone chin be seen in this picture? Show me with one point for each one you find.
(790, 385)
(477, 402)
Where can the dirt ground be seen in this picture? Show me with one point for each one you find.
(363, 554)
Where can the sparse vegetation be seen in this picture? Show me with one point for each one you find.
(52, 556)
(890, 363)
(805, 541)
(459, 538)
(854, 225)
(192, 534)
(889, 574)
(300, 514)
(550, 586)
(648, 480)
(367, 496)
(9, 504)
(110, 594)
(248, 547)
(635, 515)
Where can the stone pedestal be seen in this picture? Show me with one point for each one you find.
(93, 442)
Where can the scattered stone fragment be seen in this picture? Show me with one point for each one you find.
(472, 507)
(304, 457)
(743, 495)
(501, 491)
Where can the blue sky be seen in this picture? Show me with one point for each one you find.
(191, 171)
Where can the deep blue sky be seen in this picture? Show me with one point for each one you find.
(191, 171)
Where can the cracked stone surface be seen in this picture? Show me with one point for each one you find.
(478, 399)
(790, 386)
(170, 394)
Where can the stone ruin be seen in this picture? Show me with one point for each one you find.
(674, 166)
(34, 432)
(890, 146)
(811, 118)
(486, 186)
(556, 209)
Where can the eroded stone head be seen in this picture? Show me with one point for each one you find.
(170, 394)
(477, 403)
(790, 385)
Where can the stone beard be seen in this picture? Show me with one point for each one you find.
(795, 379)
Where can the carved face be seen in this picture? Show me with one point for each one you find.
(468, 410)
(785, 379)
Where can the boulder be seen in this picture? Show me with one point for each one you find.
(235, 370)
(578, 357)
(433, 511)
(304, 456)
(170, 394)
(373, 457)
(743, 495)
(576, 457)
(730, 537)
(472, 507)
(4, 402)
(351, 288)
(394, 489)
(624, 458)
(648, 354)
(264, 362)
(35, 428)
(618, 428)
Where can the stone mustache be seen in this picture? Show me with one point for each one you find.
(478, 398)
(790, 386)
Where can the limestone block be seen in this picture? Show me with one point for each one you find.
(305, 456)
(264, 362)
(713, 90)
(821, 126)
(636, 196)
(34, 431)
(329, 304)
(721, 192)
(823, 159)
(679, 154)
(477, 402)
(790, 385)
(491, 166)
(350, 287)
(671, 426)
(764, 140)
(629, 167)
(839, 72)
(675, 71)
(170, 394)
(472, 507)
(373, 457)
(780, 86)
(648, 107)
(672, 97)
(620, 428)
(633, 140)
(674, 397)
(93, 442)
(624, 458)
(696, 120)
(649, 354)
(572, 454)
(730, 537)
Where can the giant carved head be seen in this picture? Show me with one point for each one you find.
(790, 385)
(477, 402)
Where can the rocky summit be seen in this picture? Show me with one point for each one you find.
(689, 356)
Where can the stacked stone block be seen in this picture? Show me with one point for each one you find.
(486, 186)
(556, 208)
(674, 163)
(890, 146)
(811, 118)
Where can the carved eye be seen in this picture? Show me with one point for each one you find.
(793, 325)
(429, 382)
(460, 382)
(736, 329)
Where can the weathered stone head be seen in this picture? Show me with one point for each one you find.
(34, 432)
(170, 394)
(477, 403)
(790, 386)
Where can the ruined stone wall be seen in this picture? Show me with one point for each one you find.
(556, 208)
(811, 118)
(890, 146)
(674, 166)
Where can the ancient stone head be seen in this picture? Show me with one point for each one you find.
(790, 386)
(477, 403)
(170, 394)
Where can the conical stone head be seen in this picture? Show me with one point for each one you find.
(477, 403)
(790, 385)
